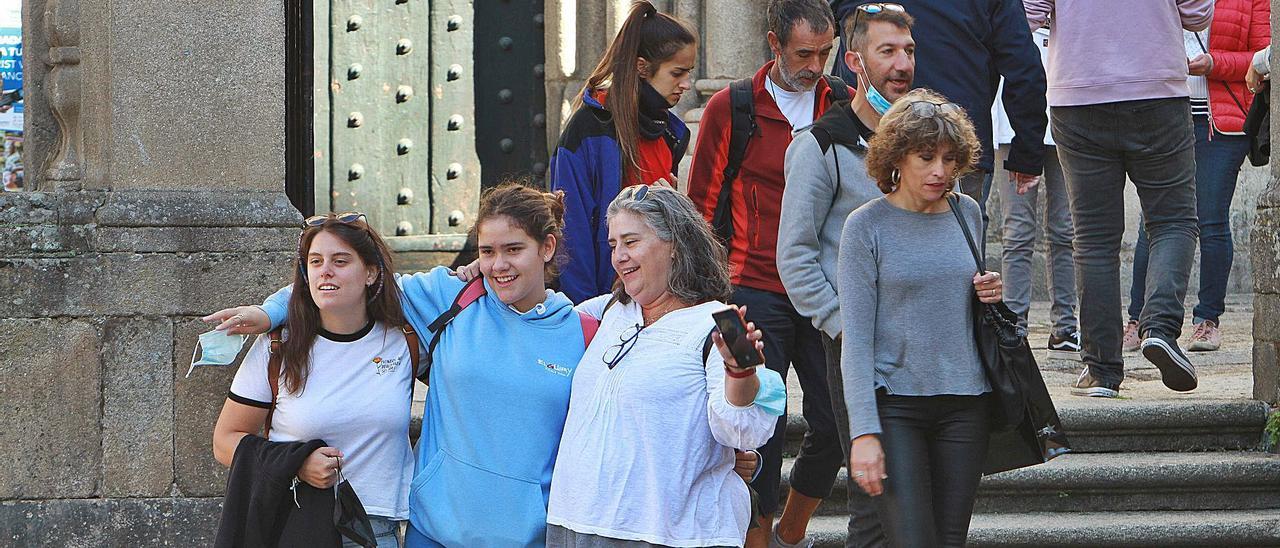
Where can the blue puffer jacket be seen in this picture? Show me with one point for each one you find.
(587, 166)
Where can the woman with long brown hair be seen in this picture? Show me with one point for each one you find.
(342, 394)
(621, 133)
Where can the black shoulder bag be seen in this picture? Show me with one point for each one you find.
(1025, 429)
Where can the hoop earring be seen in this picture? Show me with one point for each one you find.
(895, 176)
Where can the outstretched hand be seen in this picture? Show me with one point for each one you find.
(241, 320)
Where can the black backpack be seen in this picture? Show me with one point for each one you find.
(742, 116)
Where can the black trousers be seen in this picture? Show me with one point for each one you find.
(790, 339)
(934, 447)
(864, 521)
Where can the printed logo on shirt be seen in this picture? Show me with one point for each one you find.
(385, 366)
(553, 368)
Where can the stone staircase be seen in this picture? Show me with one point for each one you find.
(1177, 472)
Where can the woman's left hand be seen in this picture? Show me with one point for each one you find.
(989, 287)
(754, 335)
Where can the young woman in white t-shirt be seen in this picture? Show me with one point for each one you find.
(346, 373)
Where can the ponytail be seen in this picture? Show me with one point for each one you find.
(646, 33)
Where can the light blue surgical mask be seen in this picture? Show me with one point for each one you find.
(216, 348)
(876, 100)
(772, 395)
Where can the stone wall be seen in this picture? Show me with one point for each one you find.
(1265, 253)
(155, 154)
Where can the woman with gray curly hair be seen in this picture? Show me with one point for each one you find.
(914, 383)
(647, 452)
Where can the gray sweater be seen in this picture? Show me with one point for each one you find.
(906, 291)
(823, 187)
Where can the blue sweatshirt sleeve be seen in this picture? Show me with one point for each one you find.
(277, 306)
(425, 296)
(582, 216)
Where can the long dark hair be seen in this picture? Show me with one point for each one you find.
(539, 214)
(646, 33)
(382, 298)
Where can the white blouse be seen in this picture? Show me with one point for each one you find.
(647, 450)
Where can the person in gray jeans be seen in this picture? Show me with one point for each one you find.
(1022, 228)
(1119, 108)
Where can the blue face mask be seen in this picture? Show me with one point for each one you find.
(216, 348)
(876, 100)
(772, 395)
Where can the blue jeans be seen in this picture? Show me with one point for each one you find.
(1151, 142)
(386, 532)
(1218, 160)
(1022, 224)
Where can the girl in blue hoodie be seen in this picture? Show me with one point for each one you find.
(499, 381)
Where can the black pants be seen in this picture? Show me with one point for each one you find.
(934, 448)
(791, 339)
(864, 521)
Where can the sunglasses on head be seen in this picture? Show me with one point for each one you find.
(349, 217)
(930, 109)
(637, 192)
(874, 8)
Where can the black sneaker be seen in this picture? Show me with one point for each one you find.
(1065, 345)
(1086, 385)
(1175, 369)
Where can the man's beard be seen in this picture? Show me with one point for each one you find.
(794, 80)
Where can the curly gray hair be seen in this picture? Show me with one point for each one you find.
(700, 268)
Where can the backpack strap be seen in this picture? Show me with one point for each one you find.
(742, 125)
(589, 327)
(274, 364)
(839, 89)
(470, 293)
(706, 347)
(411, 340)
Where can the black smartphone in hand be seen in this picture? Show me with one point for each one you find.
(734, 332)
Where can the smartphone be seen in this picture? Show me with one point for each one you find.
(734, 331)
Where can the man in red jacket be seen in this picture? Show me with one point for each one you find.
(788, 93)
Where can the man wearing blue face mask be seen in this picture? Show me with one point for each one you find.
(971, 44)
(827, 179)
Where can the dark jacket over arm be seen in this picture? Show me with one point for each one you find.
(259, 508)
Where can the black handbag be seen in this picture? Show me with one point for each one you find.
(1025, 428)
(1257, 125)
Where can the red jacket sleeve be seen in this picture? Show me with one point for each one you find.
(706, 174)
(1231, 66)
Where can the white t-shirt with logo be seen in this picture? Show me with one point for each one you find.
(796, 106)
(356, 399)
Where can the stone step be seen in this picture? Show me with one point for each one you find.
(1100, 425)
(1221, 528)
(1081, 482)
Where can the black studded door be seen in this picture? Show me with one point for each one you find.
(510, 92)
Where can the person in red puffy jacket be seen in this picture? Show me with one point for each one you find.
(1217, 60)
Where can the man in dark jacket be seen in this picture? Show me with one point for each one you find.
(788, 93)
(972, 43)
(826, 180)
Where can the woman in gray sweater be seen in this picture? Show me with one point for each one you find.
(913, 379)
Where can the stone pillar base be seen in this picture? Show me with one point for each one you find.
(100, 298)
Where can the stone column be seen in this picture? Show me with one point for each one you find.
(1264, 252)
(156, 145)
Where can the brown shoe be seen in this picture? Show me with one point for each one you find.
(1207, 337)
(1131, 339)
(1086, 385)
